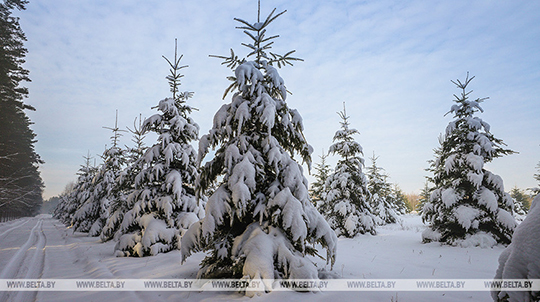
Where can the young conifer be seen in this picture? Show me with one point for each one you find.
(425, 193)
(386, 201)
(521, 203)
(80, 192)
(126, 182)
(93, 213)
(468, 205)
(260, 221)
(349, 212)
(163, 203)
(318, 188)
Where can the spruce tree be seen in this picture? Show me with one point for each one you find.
(425, 193)
(21, 185)
(126, 181)
(537, 175)
(348, 198)
(318, 187)
(435, 169)
(81, 191)
(468, 205)
(521, 203)
(260, 221)
(163, 203)
(386, 202)
(60, 211)
(401, 203)
(93, 213)
(536, 190)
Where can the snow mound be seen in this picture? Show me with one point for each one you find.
(480, 239)
(260, 248)
(521, 259)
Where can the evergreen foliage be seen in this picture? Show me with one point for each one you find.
(468, 205)
(425, 193)
(93, 213)
(522, 203)
(536, 190)
(259, 222)
(318, 188)
(21, 185)
(163, 203)
(387, 202)
(125, 182)
(72, 199)
(401, 202)
(537, 175)
(349, 212)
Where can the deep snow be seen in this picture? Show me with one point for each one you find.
(42, 247)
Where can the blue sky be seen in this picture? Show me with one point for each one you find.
(390, 61)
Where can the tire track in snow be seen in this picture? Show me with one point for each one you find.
(35, 269)
(16, 261)
(14, 227)
(36, 266)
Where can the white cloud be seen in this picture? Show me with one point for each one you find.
(391, 62)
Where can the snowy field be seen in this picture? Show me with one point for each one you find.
(42, 247)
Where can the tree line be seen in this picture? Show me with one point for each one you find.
(21, 185)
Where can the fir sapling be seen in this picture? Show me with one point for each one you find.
(259, 222)
(93, 213)
(163, 203)
(468, 205)
(348, 199)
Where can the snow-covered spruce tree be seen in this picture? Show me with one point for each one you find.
(260, 222)
(318, 187)
(349, 212)
(67, 200)
(521, 203)
(93, 213)
(60, 211)
(536, 190)
(425, 193)
(384, 202)
(126, 181)
(163, 204)
(402, 202)
(72, 199)
(435, 169)
(521, 260)
(468, 205)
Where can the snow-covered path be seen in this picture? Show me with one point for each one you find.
(22, 254)
(42, 247)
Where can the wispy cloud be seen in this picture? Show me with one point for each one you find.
(390, 61)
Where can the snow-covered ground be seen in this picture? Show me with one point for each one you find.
(42, 247)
